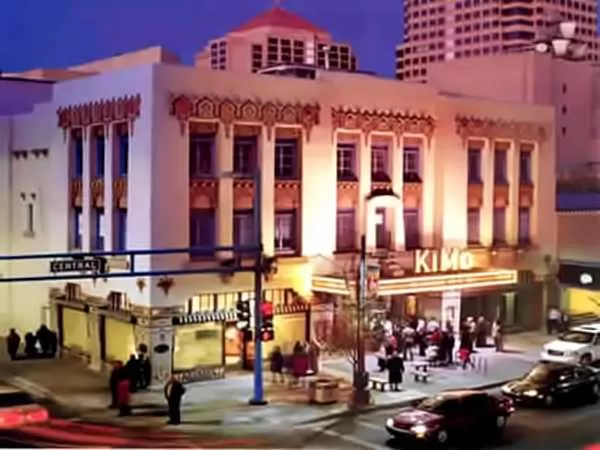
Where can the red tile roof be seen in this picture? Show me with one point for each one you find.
(279, 17)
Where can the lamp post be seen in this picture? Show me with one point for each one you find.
(360, 392)
(562, 43)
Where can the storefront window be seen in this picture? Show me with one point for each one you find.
(198, 345)
(120, 340)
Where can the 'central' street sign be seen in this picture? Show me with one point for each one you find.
(78, 265)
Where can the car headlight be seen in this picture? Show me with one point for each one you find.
(531, 393)
(389, 422)
(419, 430)
(506, 389)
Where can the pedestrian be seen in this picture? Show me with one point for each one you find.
(30, 346)
(465, 357)
(277, 361)
(43, 337)
(408, 335)
(395, 371)
(115, 376)
(174, 391)
(133, 372)
(53, 344)
(13, 341)
(382, 357)
(481, 333)
(124, 394)
(553, 320)
(498, 335)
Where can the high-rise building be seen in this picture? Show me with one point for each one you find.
(272, 38)
(445, 30)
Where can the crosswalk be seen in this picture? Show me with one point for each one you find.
(327, 428)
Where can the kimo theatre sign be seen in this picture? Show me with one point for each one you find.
(431, 261)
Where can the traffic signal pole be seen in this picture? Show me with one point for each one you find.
(258, 397)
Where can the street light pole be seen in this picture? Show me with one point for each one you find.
(258, 397)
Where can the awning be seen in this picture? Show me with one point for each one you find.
(205, 317)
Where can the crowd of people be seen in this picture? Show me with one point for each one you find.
(41, 344)
(303, 360)
(128, 378)
(437, 344)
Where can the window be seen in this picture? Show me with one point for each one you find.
(243, 228)
(285, 232)
(78, 157)
(500, 167)
(257, 57)
(76, 232)
(201, 155)
(244, 156)
(346, 155)
(123, 168)
(379, 163)
(524, 226)
(99, 152)
(120, 232)
(286, 159)
(474, 166)
(525, 167)
(473, 226)
(499, 227)
(99, 230)
(29, 220)
(202, 230)
(345, 230)
(412, 235)
(411, 165)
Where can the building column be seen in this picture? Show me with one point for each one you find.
(93, 334)
(486, 213)
(365, 220)
(428, 184)
(397, 174)
(159, 339)
(86, 194)
(224, 167)
(512, 212)
(266, 163)
(109, 173)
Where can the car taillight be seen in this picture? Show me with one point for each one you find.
(37, 416)
(507, 404)
(10, 419)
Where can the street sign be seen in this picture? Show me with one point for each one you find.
(97, 265)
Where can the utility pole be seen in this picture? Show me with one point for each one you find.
(258, 397)
(360, 391)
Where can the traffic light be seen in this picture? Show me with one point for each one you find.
(242, 310)
(267, 331)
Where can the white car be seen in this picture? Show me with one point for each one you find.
(578, 345)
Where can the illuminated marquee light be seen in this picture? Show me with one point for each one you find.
(415, 285)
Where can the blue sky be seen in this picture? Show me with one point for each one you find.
(59, 33)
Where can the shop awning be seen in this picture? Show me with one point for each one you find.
(204, 317)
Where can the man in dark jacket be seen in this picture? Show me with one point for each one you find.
(174, 391)
(13, 341)
(395, 366)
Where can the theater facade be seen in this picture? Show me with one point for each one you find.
(454, 195)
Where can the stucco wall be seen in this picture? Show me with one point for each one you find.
(579, 235)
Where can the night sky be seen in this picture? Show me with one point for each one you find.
(60, 33)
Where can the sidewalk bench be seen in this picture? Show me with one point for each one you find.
(420, 376)
(379, 384)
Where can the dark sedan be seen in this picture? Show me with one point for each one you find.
(551, 383)
(451, 416)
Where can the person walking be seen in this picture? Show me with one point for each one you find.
(133, 372)
(174, 391)
(115, 376)
(554, 320)
(498, 335)
(395, 371)
(124, 393)
(13, 341)
(277, 361)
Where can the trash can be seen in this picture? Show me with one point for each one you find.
(326, 392)
(312, 388)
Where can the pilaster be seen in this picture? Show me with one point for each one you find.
(266, 162)
(397, 174)
(363, 148)
(512, 212)
(109, 176)
(93, 336)
(486, 213)
(428, 184)
(224, 167)
(86, 197)
(158, 337)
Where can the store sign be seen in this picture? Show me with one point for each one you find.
(443, 260)
(583, 276)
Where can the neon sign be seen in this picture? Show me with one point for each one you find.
(443, 260)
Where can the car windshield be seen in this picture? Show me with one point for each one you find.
(539, 374)
(578, 337)
(15, 399)
(432, 404)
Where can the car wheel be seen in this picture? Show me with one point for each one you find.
(549, 401)
(586, 360)
(442, 437)
(500, 423)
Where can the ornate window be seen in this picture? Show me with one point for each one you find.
(412, 169)
(243, 228)
(473, 226)
(499, 226)
(286, 232)
(286, 159)
(380, 163)
(346, 161)
(345, 230)
(201, 155)
(202, 229)
(412, 229)
(244, 156)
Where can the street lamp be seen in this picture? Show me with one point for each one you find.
(563, 44)
(360, 391)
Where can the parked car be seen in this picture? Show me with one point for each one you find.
(18, 409)
(578, 345)
(550, 383)
(452, 416)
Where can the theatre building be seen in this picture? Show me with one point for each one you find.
(455, 196)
